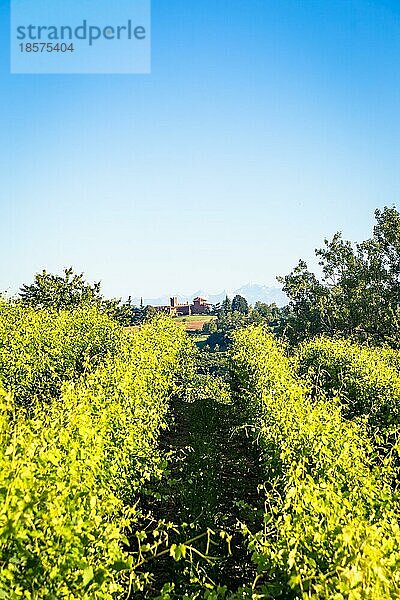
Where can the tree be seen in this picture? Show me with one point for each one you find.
(70, 291)
(270, 314)
(67, 291)
(239, 304)
(149, 313)
(358, 294)
(267, 311)
(225, 325)
(209, 326)
(235, 315)
(123, 312)
(226, 306)
(139, 314)
(216, 309)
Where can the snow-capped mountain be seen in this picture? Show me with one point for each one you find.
(253, 292)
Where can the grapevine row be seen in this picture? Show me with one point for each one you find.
(331, 520)
(365, 379)
(71, 469)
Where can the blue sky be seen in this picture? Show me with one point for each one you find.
(264, 127)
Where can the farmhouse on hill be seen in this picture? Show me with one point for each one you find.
(199, 306)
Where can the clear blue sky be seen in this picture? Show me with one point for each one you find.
(264, 127)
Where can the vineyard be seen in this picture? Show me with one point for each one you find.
(133, 465)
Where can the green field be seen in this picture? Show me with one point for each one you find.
(191, 318)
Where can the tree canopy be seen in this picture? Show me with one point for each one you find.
(358, 292)
(239, 304)
(69, 291)
(59, 292)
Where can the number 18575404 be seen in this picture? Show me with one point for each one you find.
(46, 47)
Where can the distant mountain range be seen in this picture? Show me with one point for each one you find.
(253, 292)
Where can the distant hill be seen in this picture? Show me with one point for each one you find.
(253, 292)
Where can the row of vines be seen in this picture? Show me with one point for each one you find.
(331, 526)
(133, 467)
(82, 407)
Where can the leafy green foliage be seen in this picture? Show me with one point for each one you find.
(363, 378)
(276, 481)
(331, 522)
(71, 471)
(239, 304)
(57, 292)
(232, 316)
(359, 292)
(267, 313)
(70, 291)
(40, 349)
